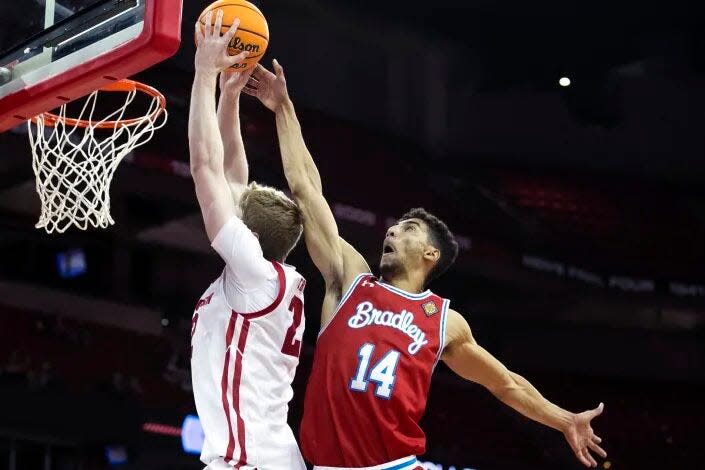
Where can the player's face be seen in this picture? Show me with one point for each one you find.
(404, 246)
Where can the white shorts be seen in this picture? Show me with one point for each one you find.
(221, 465)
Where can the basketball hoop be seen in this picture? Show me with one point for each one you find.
(74, 168)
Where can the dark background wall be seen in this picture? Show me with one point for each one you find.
(580, 212)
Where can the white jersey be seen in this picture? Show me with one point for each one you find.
(243, 364)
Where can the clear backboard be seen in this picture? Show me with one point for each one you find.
(55, 51)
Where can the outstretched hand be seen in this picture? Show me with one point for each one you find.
(212, 48)
(581, 437)
(232, 83)
(269, 88)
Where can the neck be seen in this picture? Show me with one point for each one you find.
(409, 282)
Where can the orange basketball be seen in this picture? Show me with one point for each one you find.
(252, 34)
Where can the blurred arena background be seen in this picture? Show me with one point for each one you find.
(580, 210)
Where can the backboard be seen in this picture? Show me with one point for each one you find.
(55, 51)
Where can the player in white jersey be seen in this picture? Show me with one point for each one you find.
(248, 325)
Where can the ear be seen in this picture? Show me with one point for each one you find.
(256, 235)
(432, 254)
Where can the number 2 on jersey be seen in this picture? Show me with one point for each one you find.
(292, 347)
(383, 373)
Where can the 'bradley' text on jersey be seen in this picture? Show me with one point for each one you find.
(366, 314)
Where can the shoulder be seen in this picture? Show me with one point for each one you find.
(457, 329)
(364, 279)
(353, 262)
(354, 268)
(291, 275)
(232, 233)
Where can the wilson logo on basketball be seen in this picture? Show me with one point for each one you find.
(236, 43)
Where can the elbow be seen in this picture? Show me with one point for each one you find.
(202, 169)
(197, 165)
(300, 185)
(201, 157)
(298, 190)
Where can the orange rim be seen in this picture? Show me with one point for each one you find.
(124, 86)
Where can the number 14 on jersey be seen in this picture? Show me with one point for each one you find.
(383, 373)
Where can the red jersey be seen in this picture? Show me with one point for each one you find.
(371, 376)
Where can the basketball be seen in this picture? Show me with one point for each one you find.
(252, 34)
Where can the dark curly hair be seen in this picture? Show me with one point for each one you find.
(440, 237)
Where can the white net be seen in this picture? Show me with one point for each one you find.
(74, 165)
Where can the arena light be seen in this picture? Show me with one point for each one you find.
(116, 455)
(72, 263)
(190, 432)
(192, 435)
(564, 81)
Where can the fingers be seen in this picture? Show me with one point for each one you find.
(251, 91)
(199, 34)
(218, 23)
(597, 411)
(578, 451)
(262, 73)
(241, 79)
(585, 457)
(228, 78)
(597, 449)
(278, 69)
(213, 30)
(235, 76)
(239, 58)
(596, 439)
(230, 33)
(580, 455)
(244, 77)
(252, 84)
(209, 24)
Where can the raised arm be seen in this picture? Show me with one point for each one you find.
(235, 162)
(205, 145)
(320, 228)
(472, 362)
(337, 261)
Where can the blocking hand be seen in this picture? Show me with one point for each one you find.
(269, 88)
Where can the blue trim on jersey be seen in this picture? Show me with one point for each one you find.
(404, 293)
(402, 465)
(343, 300)
(444, 318)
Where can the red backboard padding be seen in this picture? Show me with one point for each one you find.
(159, 40)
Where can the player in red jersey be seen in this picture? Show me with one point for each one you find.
(382, 337)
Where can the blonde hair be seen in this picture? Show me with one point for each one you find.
(274, 217)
